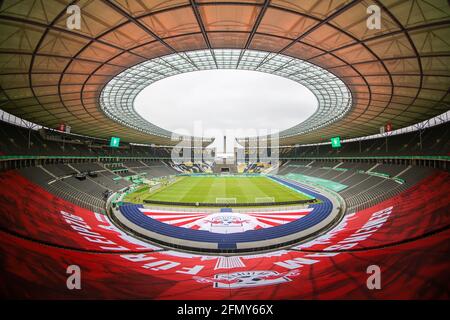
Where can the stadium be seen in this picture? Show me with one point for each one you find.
(347, 199)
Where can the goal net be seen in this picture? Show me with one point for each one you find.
(264, 199)
(225, 200)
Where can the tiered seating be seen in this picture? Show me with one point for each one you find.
(55, 221)
(331, 174)
(111, 181)
(371, 192)
(414, 212)
(126, 173)
(409, 240)
(254, 168)
(189, 167)
(158, 169)
(390, 169)
(75, 192)
(37, 175)
(416, 174)
(133, 164)
(300, 162)
(89, 193)
(85, 193)
(357, 166)
(434, 142)
(324, 164)
(319, 172)
(59, 170)
(353, 179)
(139, 168)
(87, 166)
(342, 175)
(48, 142)
(364, 190)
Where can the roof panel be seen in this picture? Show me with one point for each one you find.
(432, 40)
(14, 81)
(354, 22)
(328, 38)
(39, 11)
(19, 37)
(61, 44)
(99, 52)
(317, 8)
(227, 39)
(229, 18)
(137, 8)
(172, 23)
(186, 43)
(411, 49)
(418, 12)
(268, 43)
(152, 50)
(127, 36)
(392, 47)
(284, 24)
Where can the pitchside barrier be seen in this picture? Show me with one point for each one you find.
(229, 204)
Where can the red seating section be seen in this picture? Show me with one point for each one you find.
(417, 270)
(30, 211)
(411, 246)
(421, 210)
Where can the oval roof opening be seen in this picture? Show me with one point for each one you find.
(232, 103)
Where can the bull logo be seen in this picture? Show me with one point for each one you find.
(228, 221)
(248, 279)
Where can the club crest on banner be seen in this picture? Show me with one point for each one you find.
(248, 279)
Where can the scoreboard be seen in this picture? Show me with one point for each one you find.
(336, 142)
(114, 142)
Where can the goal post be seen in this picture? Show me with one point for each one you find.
(225, 200)
(264, 199)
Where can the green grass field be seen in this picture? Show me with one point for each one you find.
(207, 189)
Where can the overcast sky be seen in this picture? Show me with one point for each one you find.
(223, 102)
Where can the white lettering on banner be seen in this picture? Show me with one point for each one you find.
(102, 241)
(327, 237)
(295, 263)
(100, 217)
(322, 254)
(158, 265)
(375, 222)
(139, 257)
(83, 229)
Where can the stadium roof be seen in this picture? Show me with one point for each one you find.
(50, 74)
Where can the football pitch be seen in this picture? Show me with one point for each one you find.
(228, 189)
